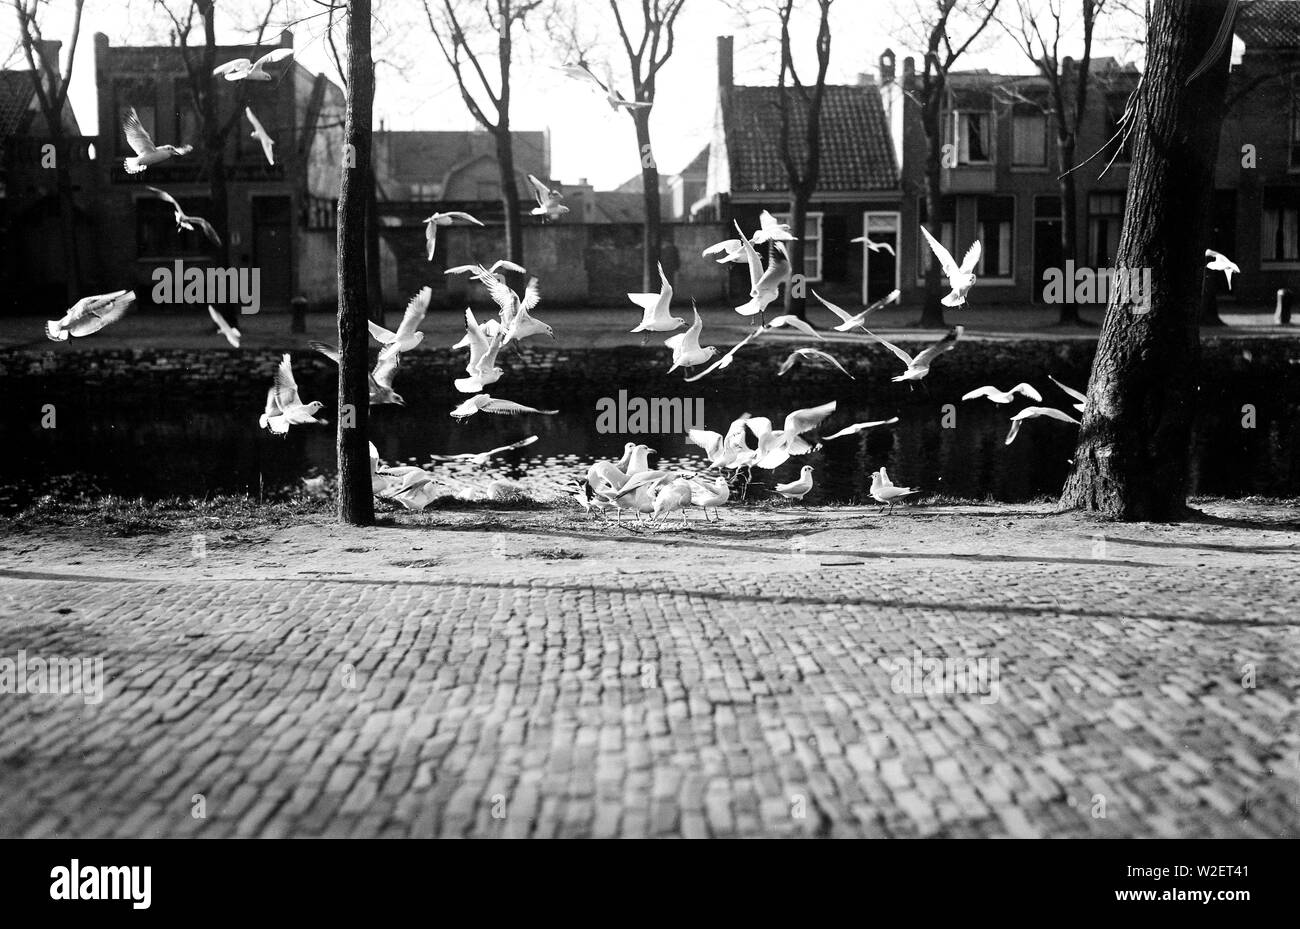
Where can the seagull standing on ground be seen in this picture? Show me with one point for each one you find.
(1221, 262)
(705, 494)
(89, 315)
(1004, 396)
(146, 152)
(960, 278)
(655, 314)
(407, 335)
(883, 490)
(241, 69)
(674, 498)
(432, 223)
(262, 136)
(919, 367)
(797, 490)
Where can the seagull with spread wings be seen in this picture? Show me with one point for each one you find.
(379, 381)
(919, 366)
(874, 246)
(89, 315)
(146, 152)
(961, 278)
(242, 69)
(769, 230)
(263, 137)
(850, 321)
(615, 99)
(229, 332)
(481, 458)
(809, 353)
(655, 315)
(284, 408)
(1034, 412)
(407, 335)
(432, 223)
(687, 352)
(185, 221)
(483, 349)
(1004, 396)
(485, 403)
(548, 201)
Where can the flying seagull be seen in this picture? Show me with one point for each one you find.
(874, 246)
(146, 152)
(184, 221)
(485, 403)
(548, 201)
(768, 286)
(1082, 399)
(230, 332)
(1033, 412)
(687, 352)
(960, 278)
(655, 315)
(855, 320)
(808, 353)
(794, 322)
(480, 271)
(732, 250)
(859, 427)
(726, 359)
(284, 408)
(606, 87)
(1221, 262)
(483, 349)
(480, 459)
(407, 335)
(379, 381)
(1004, 396)
(432, 223)
(262, 136)
(769, 230)
(918, 367)
(89, 315)
(241, 69)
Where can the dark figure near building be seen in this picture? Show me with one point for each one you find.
(671, 259)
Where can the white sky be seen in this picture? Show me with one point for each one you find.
(415, 89)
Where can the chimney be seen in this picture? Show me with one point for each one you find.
(886, 67)
(909, 71)
(726, 62)
(47, 55)
(286, 38)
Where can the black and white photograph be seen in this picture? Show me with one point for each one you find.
(651, 419)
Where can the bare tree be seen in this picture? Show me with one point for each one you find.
(464, 31)
(1132, 459)
(1039, 31)
(52, 94)
(356, 504)
(645, 58)
(936, 21)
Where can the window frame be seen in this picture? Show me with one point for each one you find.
(962, 139)
(820, 217)
(1016, 118)
(999, 279)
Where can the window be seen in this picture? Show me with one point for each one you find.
(812, 244)
(995, 221)
(947, 233)
(1105, 220)
(973, 137)
(1115, 135)
(186, 130)
(1029, 140)
(156, 234)
(1281, 220)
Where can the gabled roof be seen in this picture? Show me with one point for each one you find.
(432, 157)
(856, 151)
(16, 93)
(1269, 24)
(699, 165)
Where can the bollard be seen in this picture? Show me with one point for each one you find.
(298, 321)
(1282, 316)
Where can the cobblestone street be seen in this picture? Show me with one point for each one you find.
(729, 681)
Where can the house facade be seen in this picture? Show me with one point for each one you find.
(858, 191)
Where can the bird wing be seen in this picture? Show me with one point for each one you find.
(705, 439)
(531, 296)
(163, 195)
(825, 356)
(227, 330)
(1082, 398)
(234, 67)
(801, 421)
(725, 359)
(972, 257)
(794, 322)
(945, 259)
(979, 392)
(500, 293)
(329, 351)
(92, 314)
(903, 356)
(751, 258)
(457, 214)
(788, 363)
(386, 370)
(136, 136)
(286, 388)
(522, 443)
(726, 246)
(508, 265)
(207, 228)
(257, 124)
(382, 335)
(1029, 391)
(466, 269)
(510, 408)
(946, 344)
(414, 314)
(581, 73)
(478, 343)
(1030, 412)
(276, 54)
(844, 317)
(859, 427)
(540, 190)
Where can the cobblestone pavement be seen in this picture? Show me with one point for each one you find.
(1150, 694)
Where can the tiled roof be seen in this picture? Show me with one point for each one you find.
(856, 151)
(1269, 24)
(16, 92)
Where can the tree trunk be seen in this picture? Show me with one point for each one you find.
(1209, 309)
(510, 203)
(356, 499)
(796, 304)
(1069, 310)
(932, 309)
(1132, 458)
(650, 197)
(374, 257)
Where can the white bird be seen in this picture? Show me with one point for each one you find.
(185, 221)
(1082, 399)
(655, 315)
(407, 335)
(874, 246)
(674, 498)
(485, 403)
(262, 136)
(797, 490)
(1033, 412)
(1004, 396)
(801, 423)
(284, 408)
(732, 250)
(687, 352)
(960, 278)
(794, 322)
(726, 359)
(548, 200)
(859, 427)
(919, 367)
(89, 315)
(481, 458)
(522, 324)
(479, 270)
(230, 332)
(606, 87)
(431, 224)
(808, 353)
(379, 381)
(769, 230)
(705, 494)
(1222, 263)
(768, 287)
(713, 443)
(241, 69)
(146, 152)
(883, 490)
(849, 321)
(482, 367)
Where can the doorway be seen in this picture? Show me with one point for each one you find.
(273, 249)
(880, 267)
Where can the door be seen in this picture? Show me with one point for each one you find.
(273, 249)
(1047, 242)
(879, 267)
